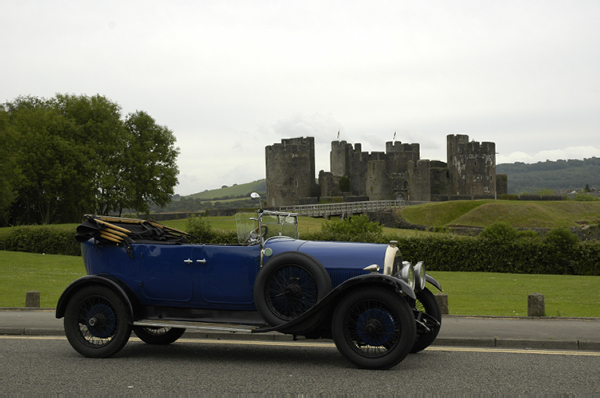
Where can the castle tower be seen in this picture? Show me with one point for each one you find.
(377, 180)
(290, 171)
(471, 166)
(339, 158)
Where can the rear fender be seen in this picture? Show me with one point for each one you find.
(385, 281)
(130, 299)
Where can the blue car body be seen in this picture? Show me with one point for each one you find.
(153, 282)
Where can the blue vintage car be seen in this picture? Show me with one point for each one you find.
(146, 278)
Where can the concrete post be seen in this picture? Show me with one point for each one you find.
(535, 305)
(442, 299)
(32, 299)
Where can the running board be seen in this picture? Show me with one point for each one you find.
(194, 325)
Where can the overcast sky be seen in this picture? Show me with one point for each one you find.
(231, 77)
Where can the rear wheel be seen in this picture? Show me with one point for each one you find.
(97, 322)
(373, 328)
(158, 336)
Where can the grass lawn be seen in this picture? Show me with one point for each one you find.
(488, 293)
(468, 293)
(48, 274)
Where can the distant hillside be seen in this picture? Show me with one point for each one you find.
(234, 191)
(236, 196)
(560, 176)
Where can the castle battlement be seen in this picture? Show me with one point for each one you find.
(397, 173)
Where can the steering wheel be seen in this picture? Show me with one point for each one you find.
(255, 234)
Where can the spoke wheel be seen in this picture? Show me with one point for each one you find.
(290, 291)
(427, 304)
(373, 328)
(96, 322)
(289, 285)
(158, 336)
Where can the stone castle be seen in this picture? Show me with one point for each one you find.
(396, 174)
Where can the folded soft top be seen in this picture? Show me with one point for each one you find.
(119, 230)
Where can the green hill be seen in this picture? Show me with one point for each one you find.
(234, 191)
(481, 213)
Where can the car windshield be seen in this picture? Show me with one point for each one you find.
(271, 223)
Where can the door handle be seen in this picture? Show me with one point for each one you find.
(203, 261)
(188, 261)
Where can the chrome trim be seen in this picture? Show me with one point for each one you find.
(193, 325)
(391, 252)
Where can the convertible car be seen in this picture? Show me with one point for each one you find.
(147, 278)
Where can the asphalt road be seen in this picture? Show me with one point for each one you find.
(48, 365)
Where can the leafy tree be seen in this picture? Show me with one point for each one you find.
(151, 170)
(103, 133)
(53, 184)
(72, 155)
(9, 172)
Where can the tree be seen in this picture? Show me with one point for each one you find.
(9, 172)
(151, 170)
(102, 131)
(53, 167)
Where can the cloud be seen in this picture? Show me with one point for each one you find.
(579, 152)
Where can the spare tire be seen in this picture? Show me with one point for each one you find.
(289, 285)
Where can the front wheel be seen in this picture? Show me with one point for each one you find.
(97, 322)
(427, 304)
(373, 328)
(158, 336)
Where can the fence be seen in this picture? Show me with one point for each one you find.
(346, 208)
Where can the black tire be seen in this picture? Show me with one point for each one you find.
(97, 322)
(427, 303)
(289, 285)
(373, 328)
(158, 336)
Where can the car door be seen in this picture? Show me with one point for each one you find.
(226, 274)
(167, 273)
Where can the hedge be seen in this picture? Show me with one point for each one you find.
(47, 239)
(557, 253)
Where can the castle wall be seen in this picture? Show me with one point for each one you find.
(419, 181)
(472, 166)
(377, 181)
(290, 171)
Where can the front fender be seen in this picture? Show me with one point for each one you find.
(435, 283)
(386, 281)
(127, 295)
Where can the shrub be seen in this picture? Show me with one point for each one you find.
(47, 239)
(358, 224)
(200, 227)
(527, 234)
(561, 238)
(585, 197)
(499, 233)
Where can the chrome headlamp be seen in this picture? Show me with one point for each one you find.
(420, 273)
(407, 274)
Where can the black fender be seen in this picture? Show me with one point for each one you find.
(385, 281)
(128, 296)
(432, 280)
